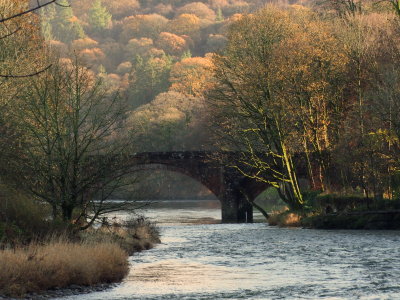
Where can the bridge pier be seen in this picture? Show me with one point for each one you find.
(236, 209)
(234, 206)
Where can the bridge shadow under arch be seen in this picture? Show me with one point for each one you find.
(174, 169)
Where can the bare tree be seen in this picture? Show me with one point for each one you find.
(74, 153)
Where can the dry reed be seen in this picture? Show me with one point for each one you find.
(284, 219)
(60, 264)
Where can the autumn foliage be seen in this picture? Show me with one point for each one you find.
(294, 83)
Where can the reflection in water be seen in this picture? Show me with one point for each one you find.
(254, 261)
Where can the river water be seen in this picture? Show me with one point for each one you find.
(201, 260)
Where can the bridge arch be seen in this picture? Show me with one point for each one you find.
(235, 191)
(230, 187)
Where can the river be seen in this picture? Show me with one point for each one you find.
(199, 259)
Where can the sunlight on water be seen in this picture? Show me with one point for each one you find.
(255, 261)
(177, 276)
(180, 212)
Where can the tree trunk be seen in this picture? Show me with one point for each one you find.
(295, 193)
(67, 210)
(260, 209)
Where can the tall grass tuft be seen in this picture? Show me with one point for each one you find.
(133, 235)
(60, 264)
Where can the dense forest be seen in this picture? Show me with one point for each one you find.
(158, 54)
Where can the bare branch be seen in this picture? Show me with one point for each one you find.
(26, 75)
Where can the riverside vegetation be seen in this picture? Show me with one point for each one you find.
(316, 117)
(370, 215)
(37, 255)
(61, 129)
(337, 212)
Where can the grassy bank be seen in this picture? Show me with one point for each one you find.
(341, 212)
(59, 264)
(38, 254)
(362, 220)
(88, 258)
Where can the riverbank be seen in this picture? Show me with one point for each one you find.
(362, 220)
(66, 265)
(331, 211)
(374, 220)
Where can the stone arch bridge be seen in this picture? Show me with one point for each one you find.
(232, 188)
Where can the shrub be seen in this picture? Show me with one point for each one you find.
(143, 228)
(23, 219)
(339, 203)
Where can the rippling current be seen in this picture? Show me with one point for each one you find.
(255, 261)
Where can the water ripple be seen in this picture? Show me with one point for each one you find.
(254, 261)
